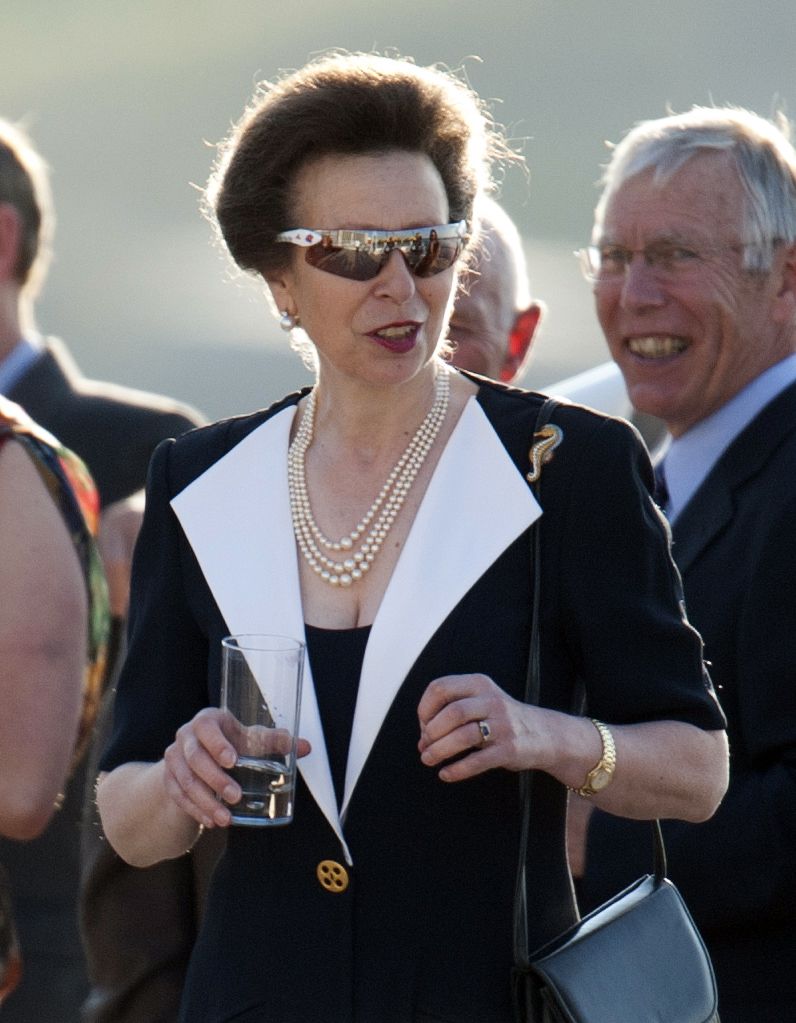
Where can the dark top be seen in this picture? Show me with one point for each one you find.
(423, 931)
(336, 658)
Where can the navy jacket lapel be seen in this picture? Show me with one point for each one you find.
(712, 506)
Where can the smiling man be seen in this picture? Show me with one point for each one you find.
(693, 265)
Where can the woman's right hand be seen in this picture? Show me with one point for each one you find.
(196, 764)
(195, 769)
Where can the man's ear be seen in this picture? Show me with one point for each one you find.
(10, 236)
(786, 296)
(521, 338)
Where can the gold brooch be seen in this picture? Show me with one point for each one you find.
(541, 452)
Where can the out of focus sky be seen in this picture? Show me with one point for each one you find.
(125, 97)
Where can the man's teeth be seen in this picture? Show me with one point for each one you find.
(657, 347)
(393, 332)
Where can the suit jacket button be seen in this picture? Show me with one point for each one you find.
(332, 875)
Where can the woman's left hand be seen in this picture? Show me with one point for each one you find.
(471, 718)
(470, 712)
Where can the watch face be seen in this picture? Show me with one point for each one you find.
(599, 779)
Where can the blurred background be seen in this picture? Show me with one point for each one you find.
(125, 98)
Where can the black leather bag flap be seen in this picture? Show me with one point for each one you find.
(637, 959)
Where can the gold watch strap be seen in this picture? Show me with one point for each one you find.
(601, 775)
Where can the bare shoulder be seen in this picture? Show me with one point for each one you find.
(39, 563)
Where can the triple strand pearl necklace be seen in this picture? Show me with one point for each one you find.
(344, 561)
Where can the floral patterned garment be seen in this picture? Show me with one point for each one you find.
(75, 495)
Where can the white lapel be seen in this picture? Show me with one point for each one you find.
(476, 505)
(236, 516)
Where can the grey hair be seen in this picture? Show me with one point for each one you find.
(761, 150)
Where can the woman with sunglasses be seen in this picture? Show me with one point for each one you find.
(384, 515)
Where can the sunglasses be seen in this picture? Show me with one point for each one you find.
(360, 255)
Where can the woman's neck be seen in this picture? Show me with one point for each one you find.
(367, 419)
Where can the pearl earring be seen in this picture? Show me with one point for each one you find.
(287, 322)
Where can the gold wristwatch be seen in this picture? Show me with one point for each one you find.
(600, 776)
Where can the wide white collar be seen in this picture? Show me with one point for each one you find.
(236, 516)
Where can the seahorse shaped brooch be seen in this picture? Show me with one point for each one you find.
(545, 441)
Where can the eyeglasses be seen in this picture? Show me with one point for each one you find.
(610, 263)
(360, 255)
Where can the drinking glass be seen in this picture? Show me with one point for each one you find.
(260, 697)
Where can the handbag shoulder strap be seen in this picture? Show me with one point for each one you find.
(544, 440)
(534, 477)
(532, 690)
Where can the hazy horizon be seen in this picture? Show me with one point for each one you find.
(125, 99)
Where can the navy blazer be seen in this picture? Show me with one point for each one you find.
(114, 429)
(735, 545)
(423, 932)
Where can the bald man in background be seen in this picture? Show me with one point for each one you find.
(495, 320)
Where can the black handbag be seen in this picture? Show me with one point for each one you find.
(638, 958)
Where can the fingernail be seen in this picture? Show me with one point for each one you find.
(231, 794)
(228, 758)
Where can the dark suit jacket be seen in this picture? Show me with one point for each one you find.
(735, 545)
(115, 431)
(423, 931)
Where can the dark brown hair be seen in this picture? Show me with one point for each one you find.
(350, 104)
(24, 185)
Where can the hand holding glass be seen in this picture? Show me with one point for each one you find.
(260, 697)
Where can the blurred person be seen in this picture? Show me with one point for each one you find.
(114, 430)
(53, 632)
(413, 722)
(494, 319)
(693, 263)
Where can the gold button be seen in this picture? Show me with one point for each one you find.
(332, 875)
